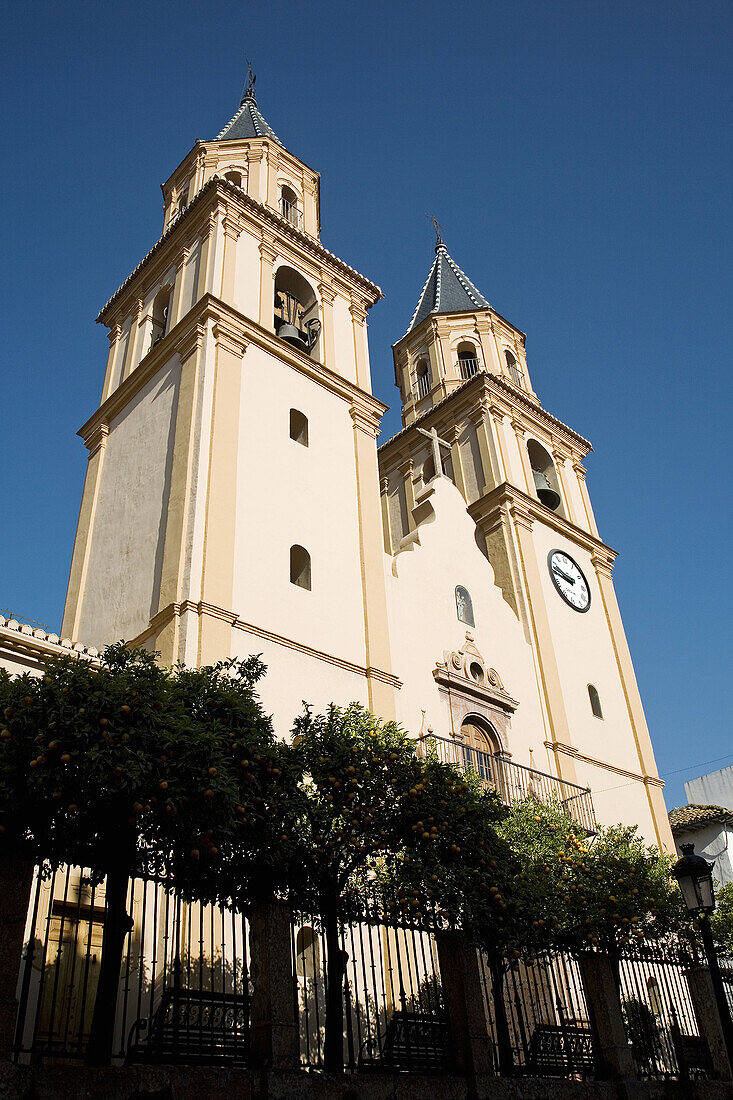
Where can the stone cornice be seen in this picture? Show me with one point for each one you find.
(190, 333)
(205, 201)
(528, 510)
(175, 610)
(485, 389)
(38, 644)
(594, 761)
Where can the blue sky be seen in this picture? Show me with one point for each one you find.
(578, 156)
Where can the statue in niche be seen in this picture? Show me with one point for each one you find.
(464, 606)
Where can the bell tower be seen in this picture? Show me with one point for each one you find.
(231, 501)
(461, 369)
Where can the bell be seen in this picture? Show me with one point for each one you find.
(291, 335)
(548, 496)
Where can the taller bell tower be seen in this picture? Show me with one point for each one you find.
(231, 501)
(461, 369)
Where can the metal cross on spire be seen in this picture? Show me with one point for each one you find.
(249, 92)
(439, 242)
(436, 443)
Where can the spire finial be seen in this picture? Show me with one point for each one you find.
(439, 242)
(249, 93)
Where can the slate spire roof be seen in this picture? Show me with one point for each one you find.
(447, 289)
(247, 122)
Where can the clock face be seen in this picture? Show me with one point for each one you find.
(569, 580)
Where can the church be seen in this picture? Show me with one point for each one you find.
(238, 499)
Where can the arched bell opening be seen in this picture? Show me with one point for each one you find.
(545, 477)
(161, 315)
(289, 205)
(515, 371)
(468, 363)
(424, 381)
(296, 310)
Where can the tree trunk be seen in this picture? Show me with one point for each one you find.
(117, 925)
(503, 1039)
(333, 1046)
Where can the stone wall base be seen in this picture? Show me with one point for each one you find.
(207, 1083)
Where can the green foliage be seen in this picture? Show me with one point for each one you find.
(721, 920)
(103, 766)
(379, 827)
(592, 892)
(642, 1030)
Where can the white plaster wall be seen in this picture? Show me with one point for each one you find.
(294, 677)
(584, 653)
(713, 789)
(616, 798)
(127, 537)
(424, 623)
(289, 494)
(714, 842)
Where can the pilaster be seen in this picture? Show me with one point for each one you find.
(386, 521)
(603, 566)
(268, 255)
(453, 437)
(178, 288)
(114, 345)
(592, 525)
(179, 497)
(406, 470)
(361, 349)
(371, 553)
(96, 444)
(328, 338)
(217, 574)
(550, 681)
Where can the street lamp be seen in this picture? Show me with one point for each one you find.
(695, 877)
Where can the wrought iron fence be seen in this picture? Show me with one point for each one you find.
(183, 992)
(516, 781)
(538, 1017)
(394, 1016)
(659, 1015)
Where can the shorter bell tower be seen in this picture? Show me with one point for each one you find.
(468, 399)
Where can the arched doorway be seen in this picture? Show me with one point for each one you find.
(481, 744)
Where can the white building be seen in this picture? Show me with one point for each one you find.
(236, 501)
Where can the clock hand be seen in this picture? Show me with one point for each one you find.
(565, 576)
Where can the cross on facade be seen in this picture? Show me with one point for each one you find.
(436, 443)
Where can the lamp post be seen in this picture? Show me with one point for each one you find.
(695, 877)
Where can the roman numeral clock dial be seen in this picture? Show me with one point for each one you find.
(569, 580)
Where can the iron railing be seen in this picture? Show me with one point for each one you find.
(290, 212)
(183, 992)
(394, 1014)
(659, 1015)
(514, 782)
(468, 366)
(423, 384)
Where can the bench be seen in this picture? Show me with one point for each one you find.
(192, 1026)
(414, 1042)
(559, 1050)
(693, 1055)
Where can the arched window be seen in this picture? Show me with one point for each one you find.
(423, 378)
(464, 606)
(299, 427)
(161, 311)
(234, 177)
(307, 953)
(545, 478)
(467, 360)
(481, 745)
(595, 701)
(296, 310)
(515, 371)
(289, 205)
(300, 567)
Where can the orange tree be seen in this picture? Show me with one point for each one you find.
(109, 766)
(602, 892)
(378, 831)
